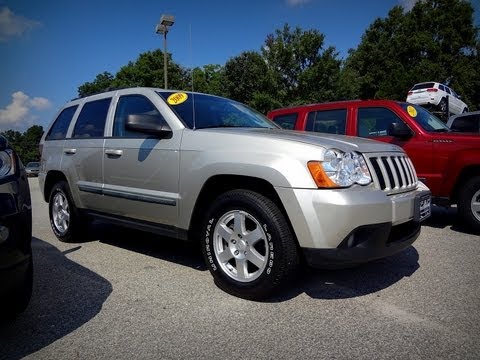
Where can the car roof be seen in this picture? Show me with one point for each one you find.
(334, 103)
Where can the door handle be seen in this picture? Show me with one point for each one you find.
(69, 151)
(114, 152)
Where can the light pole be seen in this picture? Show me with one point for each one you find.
(162, 28)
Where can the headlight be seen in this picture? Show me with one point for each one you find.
(340, 169)
(7, 163)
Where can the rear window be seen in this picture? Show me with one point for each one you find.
(327, 121)
(92, 118)
(286, 121)
(423, 86)
(61, 124)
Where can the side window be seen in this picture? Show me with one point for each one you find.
(92, 118)
(286, 121)
(327, 121)
(447, 90)
(373, 122)
(131, 105)
(466, 123)
(60, 126)
(441, 87)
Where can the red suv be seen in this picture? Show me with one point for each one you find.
(447, 162)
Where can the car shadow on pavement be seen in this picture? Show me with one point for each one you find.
(164, 248)
(353, 282)
(65, 296)
(443, 217)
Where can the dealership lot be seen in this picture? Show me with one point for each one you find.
(127, 294)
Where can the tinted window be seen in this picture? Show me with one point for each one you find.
(132, 105)
(60, 126)
(286, 121)
(423, 86)
(441, 87)
(199, 111)
(467, 123)
(373, 122)
(92, 118)
(327, 121)
(425, 119)
(447, 89)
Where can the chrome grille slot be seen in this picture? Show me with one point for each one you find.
(393, 173)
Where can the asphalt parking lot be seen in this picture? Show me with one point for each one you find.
(126, 294)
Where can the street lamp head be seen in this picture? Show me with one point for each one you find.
(167, 20)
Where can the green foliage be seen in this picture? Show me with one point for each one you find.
(26, 144)
(435, 41)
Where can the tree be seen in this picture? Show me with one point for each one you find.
(101, 83)
(210, 79)
(435, 41)
(26, 144)
(301, 68)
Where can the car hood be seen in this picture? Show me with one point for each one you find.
(340, 142)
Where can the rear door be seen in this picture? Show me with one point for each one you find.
(82, 154)
(141, 172)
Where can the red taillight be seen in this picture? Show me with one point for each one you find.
(432, 90)
(410, 92)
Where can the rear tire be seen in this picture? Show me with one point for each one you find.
(67, 223)
(442, 105)
(469, 204)
(247, 245)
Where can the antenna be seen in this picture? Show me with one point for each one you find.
(191, 71)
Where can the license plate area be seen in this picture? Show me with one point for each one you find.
(423, 207)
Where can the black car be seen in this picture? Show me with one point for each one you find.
(16, 266)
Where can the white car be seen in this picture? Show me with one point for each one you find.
(436, 94)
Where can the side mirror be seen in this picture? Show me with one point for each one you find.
(400, 130)
(148, 124)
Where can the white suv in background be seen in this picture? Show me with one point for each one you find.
(434, 93)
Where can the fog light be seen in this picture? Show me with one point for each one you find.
(3, 233)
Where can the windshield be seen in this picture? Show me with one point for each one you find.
(201, 111)
(425, 119)
(33, 164)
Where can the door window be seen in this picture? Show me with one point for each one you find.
(92, 118)
(327, 121)
(286, 121)
(132, 105)
(374, 122)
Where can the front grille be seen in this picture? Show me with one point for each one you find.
(394, 173)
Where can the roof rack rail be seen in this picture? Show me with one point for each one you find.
(110, 88)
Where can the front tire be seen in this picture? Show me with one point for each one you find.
(443, 106)
(248, 245)
(469, 204)
(66, 222)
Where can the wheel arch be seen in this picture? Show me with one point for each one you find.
(465, 174)
(51, 179)
(219, 184)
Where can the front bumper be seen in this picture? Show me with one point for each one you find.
(350, 226)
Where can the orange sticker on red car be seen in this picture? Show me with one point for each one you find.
(177, 98)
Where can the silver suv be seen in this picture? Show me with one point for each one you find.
(259, 199)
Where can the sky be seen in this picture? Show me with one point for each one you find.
(49, 48)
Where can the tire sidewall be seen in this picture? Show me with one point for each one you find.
(465, 200)
(272, 269)
(61, 187)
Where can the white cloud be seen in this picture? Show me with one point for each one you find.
(21, 112)
(12, 25)
(294, 3)
(408, 4)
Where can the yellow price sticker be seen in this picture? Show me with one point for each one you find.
(411, 111)
(177, 98)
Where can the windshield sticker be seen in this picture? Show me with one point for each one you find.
(411, 111)
(177, 98)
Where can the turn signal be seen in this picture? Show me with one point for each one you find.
(321, 179)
